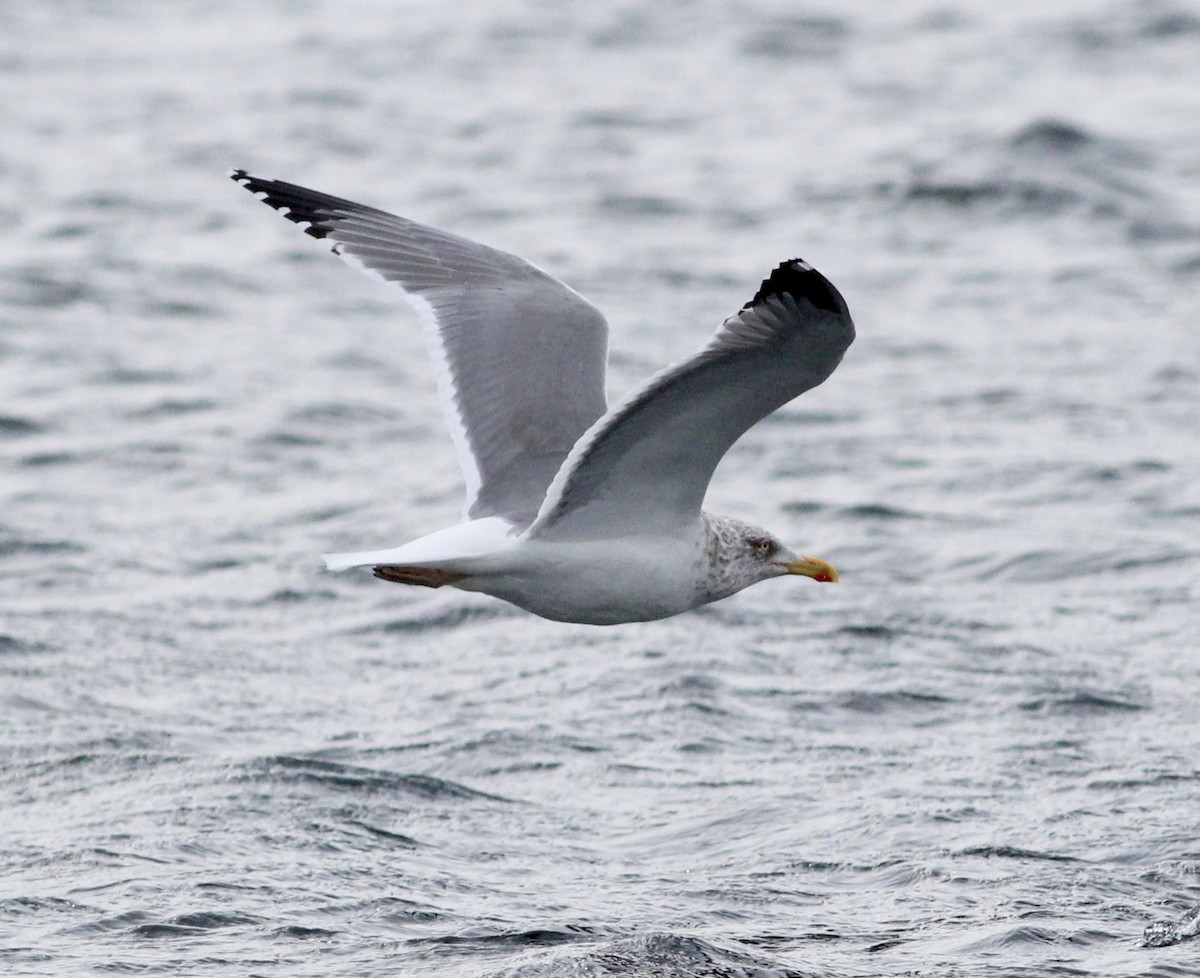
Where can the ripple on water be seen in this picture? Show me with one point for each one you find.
(134, 376)
(1015, 852)
(660, 955)
(442, 618)
(195, 923)
(892, 701)
(538, 937)
(878, 511)
(1047, 565)
(298, 932)
(38, 288)
(172, 407)
(337, 414)
(11, 645)
(24, 906)
(292, 596)
(127, 921)
(1165, 933)
(641, 205)
(13, 542)
(387, 835)
(1132, 26)
(789, 37)
(14, 426)
(353, 778)
(1083, 703)
(37, 460)
(1047, 169)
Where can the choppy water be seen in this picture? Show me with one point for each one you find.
(975, 756)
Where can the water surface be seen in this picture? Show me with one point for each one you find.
(975, 756)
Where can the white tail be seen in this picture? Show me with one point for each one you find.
(440, 549)
(367, 558)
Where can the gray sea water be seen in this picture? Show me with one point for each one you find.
(976, 756)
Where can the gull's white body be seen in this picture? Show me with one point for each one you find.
(586, 581)
(577, 512)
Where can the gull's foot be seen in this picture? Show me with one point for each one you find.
(421, 576)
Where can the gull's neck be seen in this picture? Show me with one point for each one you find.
(719, 571)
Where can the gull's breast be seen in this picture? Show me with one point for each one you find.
(597, 582)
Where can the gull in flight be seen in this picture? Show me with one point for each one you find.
(576, 511)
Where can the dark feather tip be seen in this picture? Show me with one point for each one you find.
(799, 279)
(297, 204)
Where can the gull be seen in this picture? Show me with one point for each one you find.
(575, 511)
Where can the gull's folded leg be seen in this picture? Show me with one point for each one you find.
(421, 576)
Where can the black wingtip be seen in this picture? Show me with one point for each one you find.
(297, 204)
(799, 279)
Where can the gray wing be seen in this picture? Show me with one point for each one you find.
(645, 466)
(520, 358)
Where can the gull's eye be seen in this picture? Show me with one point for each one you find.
(762, 547)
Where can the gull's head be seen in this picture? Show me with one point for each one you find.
(740, 555)
(776, 560)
